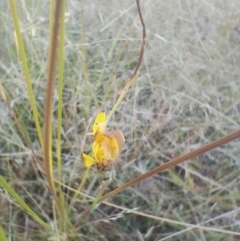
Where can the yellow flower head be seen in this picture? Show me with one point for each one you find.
(107, 144)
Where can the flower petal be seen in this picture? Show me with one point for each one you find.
(99, 136)
(100, 119)
(118, 136)
(88, 161)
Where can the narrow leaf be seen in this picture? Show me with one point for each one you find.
(21, 202)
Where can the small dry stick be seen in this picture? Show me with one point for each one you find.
(134, 75)
(174, 162)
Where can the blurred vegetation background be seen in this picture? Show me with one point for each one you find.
(187, 94)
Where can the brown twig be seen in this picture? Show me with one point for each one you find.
(174, 162)
(137, 67)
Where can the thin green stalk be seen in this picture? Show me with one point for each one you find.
(25, 69)
(86, 173)
(60, 107)
(99, 195)
(49, 101)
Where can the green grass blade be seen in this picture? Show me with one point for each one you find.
(25, 69)
(21, 202)
(60, 89)
(3, 236)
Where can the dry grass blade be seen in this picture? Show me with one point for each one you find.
(13, 114)
(19, 125)
(161, 219)
(197, 152)
(49, 99)
(172, 97)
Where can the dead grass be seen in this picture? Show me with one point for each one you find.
(187, 94)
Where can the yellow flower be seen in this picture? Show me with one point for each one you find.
(107, 144)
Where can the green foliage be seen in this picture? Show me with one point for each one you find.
(3, 236)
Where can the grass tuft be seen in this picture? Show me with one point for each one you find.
(186, 95)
